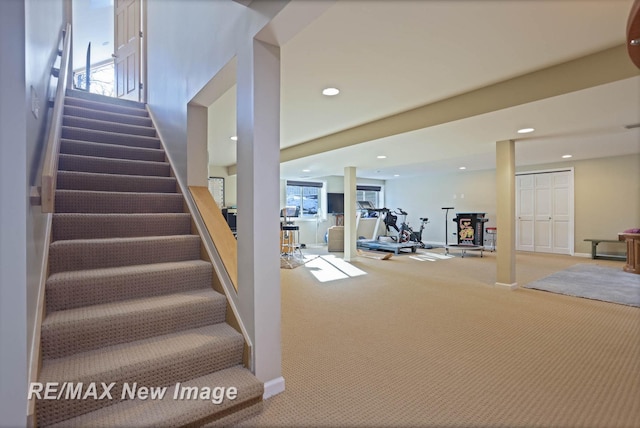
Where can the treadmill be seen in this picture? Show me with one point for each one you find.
(375, 243)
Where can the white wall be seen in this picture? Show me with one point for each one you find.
(188, 42)
(29, 34)
(466, 191)
(607, 198)
(44, 22)
(13, 213)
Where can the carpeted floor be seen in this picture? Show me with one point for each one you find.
(419, 344)
(593, 282)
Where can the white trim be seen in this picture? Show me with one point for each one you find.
(273, 387)
(34, 358)
(502, 285)
(585, 255)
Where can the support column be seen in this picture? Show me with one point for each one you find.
(506, 214)
(197, 154)
(350, 232)
(258, 150)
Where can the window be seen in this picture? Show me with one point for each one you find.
(305, 195)
(369, 193)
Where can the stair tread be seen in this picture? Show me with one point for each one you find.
(110, 137)
(107, 146)
(108, 122)
(86, 111)
(117, 134)
(104, 182)
(103, 192)
(123, 216)
(82, 254)
(104, 311)
(124, 359)
(123, 270)
(72, 289)
(123, 176)
(175, 412)
(128, 161)
(98, 241)
(104, 100)
(93, 124)
(84, 328)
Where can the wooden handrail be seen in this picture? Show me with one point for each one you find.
(218, 229)
(50, 166)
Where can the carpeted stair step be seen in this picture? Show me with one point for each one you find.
(86, 201)
(170, 412)
(156, 361)
(111, 108)
(76, 180)
(91, 327)
(110, 137)
(86, 148)
(101, 125)
(82, 254)
(118, 225)
(74, 289)
(239, 413)
(112, 166)
(102, 99)
(107, 116)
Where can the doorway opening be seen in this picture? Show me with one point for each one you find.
(107, 47)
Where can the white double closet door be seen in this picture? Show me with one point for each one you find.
(544, 212)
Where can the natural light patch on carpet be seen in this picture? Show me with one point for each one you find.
(426, 256)
(332, 268)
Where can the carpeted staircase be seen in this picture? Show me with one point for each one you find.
(128, 297)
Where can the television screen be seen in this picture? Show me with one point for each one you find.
(335, 203)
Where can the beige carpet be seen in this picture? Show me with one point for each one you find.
(434, 344)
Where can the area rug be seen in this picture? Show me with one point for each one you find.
(593, 282)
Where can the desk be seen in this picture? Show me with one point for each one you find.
(594, 249)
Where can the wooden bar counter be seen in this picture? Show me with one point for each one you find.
(633, 251)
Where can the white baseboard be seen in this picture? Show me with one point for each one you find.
(273, 387)
(585, 255)
(512, 286)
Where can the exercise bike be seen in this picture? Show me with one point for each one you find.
(406, 232)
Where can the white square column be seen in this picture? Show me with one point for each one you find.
(506, 214)
(258, 150)
(350, 232)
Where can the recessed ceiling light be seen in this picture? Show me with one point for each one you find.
(567, 156)
(330, 91)
(463, 167)
(306, 170)
(382, 157)
(525, 130)
(234, 138)
(396, 175)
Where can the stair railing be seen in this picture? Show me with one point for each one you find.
(50, 166)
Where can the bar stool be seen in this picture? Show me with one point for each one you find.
(493, 233)
(289, 241)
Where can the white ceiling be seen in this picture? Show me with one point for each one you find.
(390, 56)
